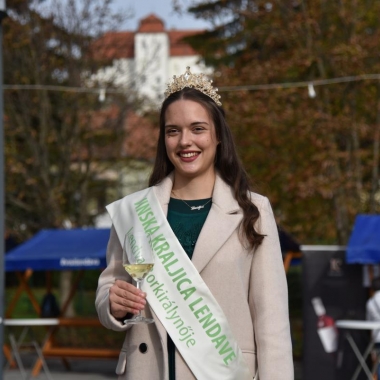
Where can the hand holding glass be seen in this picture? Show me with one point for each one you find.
(138, 260)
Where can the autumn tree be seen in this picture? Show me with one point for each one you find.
(314, 153)
(61, 136)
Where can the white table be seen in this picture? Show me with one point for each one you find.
(17, 344)
(359, 325)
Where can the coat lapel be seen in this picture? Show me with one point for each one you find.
(163, 190)
(222, 220)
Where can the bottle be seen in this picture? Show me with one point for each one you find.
(326, 328)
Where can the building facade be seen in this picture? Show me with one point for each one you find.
(144, 61)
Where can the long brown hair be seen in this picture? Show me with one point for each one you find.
(227, 162)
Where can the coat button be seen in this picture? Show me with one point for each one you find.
(143, 348)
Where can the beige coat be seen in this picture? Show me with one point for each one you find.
(249, 286)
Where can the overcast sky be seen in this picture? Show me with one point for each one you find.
(163, 9)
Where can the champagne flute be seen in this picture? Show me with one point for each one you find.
(138, 261)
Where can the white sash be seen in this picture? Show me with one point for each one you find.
(178, 295)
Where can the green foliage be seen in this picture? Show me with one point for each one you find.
(316, 158)
(59, 140)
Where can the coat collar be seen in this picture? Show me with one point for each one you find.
(223, 219)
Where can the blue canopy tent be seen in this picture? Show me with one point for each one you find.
(364, 243)
(48, 250)
(54, 249)
(61, 250)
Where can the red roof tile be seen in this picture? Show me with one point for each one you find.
(151, 24)
(116, 45)
(177, 46)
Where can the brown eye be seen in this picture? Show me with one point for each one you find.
(171, 131)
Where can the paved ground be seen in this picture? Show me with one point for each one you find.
(81, 369)
(85, 369)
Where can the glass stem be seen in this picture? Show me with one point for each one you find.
(138, 282)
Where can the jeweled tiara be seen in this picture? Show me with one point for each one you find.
(197, 81)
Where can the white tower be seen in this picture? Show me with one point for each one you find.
(152, 51)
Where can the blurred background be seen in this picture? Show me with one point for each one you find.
(299, 80)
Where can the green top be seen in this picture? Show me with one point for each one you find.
(186, 225)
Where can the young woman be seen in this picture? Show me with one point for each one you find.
(224, 314)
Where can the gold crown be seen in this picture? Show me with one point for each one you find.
(196, 81)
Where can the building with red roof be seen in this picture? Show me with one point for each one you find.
(146, 59)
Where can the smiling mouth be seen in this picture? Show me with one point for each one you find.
(188, 155)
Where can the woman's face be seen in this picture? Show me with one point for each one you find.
(190, 139)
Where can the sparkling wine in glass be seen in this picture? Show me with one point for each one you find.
(138, 261)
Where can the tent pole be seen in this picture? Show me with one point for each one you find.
(23, 279)
(2, 214)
